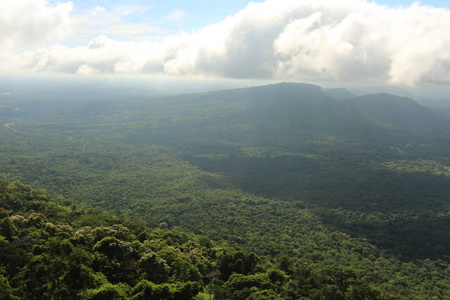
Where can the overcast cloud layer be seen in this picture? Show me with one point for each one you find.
(309, 40)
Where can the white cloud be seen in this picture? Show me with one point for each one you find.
(342, 40)
(176, 15)
(27, 23)
(86, 70)
(113, 21)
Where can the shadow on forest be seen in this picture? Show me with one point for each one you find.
(396, 211)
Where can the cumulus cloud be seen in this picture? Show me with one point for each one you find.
(27, 23)
(340, 40)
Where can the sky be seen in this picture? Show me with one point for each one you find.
(400, 43)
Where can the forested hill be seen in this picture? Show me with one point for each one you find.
(402, 113)
(281, 170)
(297, 110)
(52, 249)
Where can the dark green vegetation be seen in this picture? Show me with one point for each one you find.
(318, 188)
(52, 249)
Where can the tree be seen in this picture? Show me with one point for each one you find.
(7, 228)
(154, 268)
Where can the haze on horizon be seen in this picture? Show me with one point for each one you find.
(347, 42)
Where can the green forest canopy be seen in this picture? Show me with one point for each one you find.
(282, 171)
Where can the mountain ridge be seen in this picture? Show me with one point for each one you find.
(291, 110)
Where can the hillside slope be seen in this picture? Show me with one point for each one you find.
(51, 249)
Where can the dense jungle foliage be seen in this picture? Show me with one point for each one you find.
(52, 249)
(317, 188)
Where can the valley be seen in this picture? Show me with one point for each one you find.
(285, 171)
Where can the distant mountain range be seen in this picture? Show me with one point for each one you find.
(339, 93)
(287, 114)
